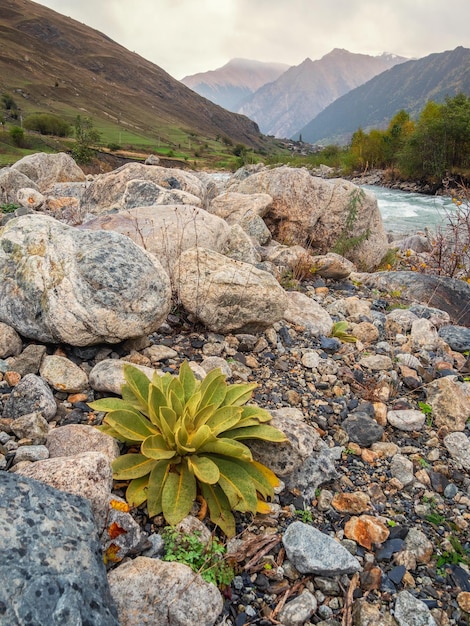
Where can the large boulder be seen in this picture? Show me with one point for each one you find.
(166, 231)
(447, 294)
(63, 285)
(52, 568)
(320, 214)
(11, 181)
(228, 295)
(46, 169)
(148, 193)
(107, 190)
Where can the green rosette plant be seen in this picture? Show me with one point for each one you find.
(189, 435)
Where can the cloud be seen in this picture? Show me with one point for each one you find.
(184, 37)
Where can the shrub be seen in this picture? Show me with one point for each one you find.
(17, 136)
(47, 124)
(189, 436)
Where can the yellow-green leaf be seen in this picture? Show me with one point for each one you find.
(192, 405)
(237, 485)
(181, 440)
(104, 428)
(179, 493)
(202, 415)
(256, 412)
(200, 437)
(263, 431)
(136, 492)
(213, 388)
(155, 447)
(224, 418)
(238, 394)
(131, 424)
(187, 380)
(111, 404)
(227, 447)
(263, 479)
(138, 383)
(157, 481)
(168, 423)
(175, 402)
(156, 400)
(203, 468)
(219, 508)
(130, 466)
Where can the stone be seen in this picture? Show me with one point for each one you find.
(32, 426)
(144, 193)
(10, 342)
(463, 600)
(122, 533)
(304, 311)
(419, 545)
(423, 335)
(87, 474)
(52, 568)
(155, 592)
(11, 181)
(311, 359)
(30, 198)
(159, 353)
(227, 295)
(411, 611)
(376, 362)
(332, 266)
(450, 403)
(365, 614)
(108, 375)
(406, 419)
(45, 169)
(399, 321)
(457, 337)
(63, 374)
(446, 294)
(356, 502)
(29, 361)
(31, 453)
(299, 610)
(366, 530)
(365, 332)
(402, 468)
(362, 429)
(240, 246)
(31, 395)
(106, 191)
(78, 287)
(304, 461)
(313, 212)
(210, 363)
(166, 231)
(74, 439)
(313, 552)
(458, 445)
(233, 207)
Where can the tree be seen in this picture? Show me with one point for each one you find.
(47, 124)
(86, 136)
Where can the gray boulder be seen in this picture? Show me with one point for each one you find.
(52, 568)
(11, 181)
(227, 295)
(46, 169)
(60, 284)
(31, 395)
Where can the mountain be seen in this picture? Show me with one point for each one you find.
(52, 63)
(232, 83)
(284, 106)
(406, 86)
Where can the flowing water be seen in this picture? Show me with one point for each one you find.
(406, 212)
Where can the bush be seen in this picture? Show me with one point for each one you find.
(189, 435)
(47, 124)
(17, 136)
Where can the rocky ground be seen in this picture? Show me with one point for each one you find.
(400, 500)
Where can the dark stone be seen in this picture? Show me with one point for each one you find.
(379, 304)
(285, 336)
(389, 548)
(398, 532)
(362, 429)
(458, 337)
(438, 481)
(396, 574)
(330, 344)
(52, 568)
(31, 395)
(460, 577)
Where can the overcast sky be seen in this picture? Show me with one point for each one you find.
(188, 36)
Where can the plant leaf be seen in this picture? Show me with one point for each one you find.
(263, 484)
(175, 402)
(157, 481)
(224, 418)
(136, 492)
(130, 466)
(227, 447)
(239, 394)
(111, 404)
(203, 468)
(219, 508)
(236, 484)
(263, 431)
(138, 383)
(179, 493)
(263, 507)
(256, 412)
(108, 430)
(187, 380)
(202, 415)
(155, 447)
(156, 401)
(213, 388)
(192, 405)
(131, 424)
(168, 421)
(200, 437)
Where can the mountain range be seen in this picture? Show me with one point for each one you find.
(406, 86)
(283, 104)
(231, 84)
(52, 63)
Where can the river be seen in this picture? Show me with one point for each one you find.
(407, 212)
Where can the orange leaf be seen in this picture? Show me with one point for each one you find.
(120, 506)
(115, 530)
(111, 554)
